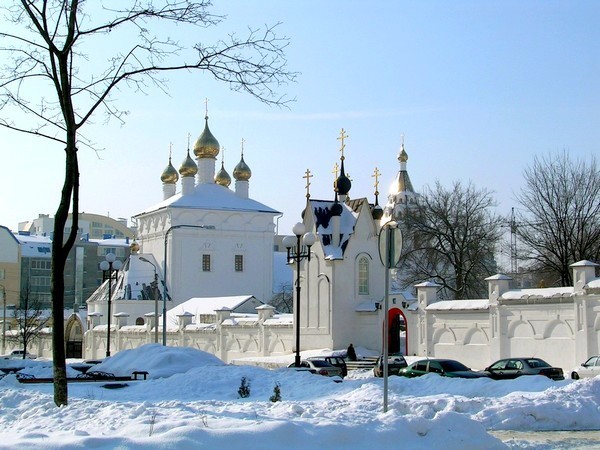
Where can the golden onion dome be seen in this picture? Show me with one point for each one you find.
(222, 177)
(242, 172)
(206, 146)
(169, 175)
(188, 167)
(403, 156)
(134, 247)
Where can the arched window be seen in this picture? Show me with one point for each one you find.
(139, 321)
(363, 276)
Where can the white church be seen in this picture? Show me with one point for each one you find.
(194, 247)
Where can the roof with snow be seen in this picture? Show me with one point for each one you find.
(553, 292)
(199, 306)
(211, 196)
(459, 305)
(34, 246)
(321, 210)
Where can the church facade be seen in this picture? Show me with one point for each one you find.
(341, 288)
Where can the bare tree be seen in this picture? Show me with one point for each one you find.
(449, 238)
(30, 318)
(54, 81)
(283, 300)
(559, 220)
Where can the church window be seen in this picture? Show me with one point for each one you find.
(363, 276)
(205, 263)
(139, 321)
(239, 263)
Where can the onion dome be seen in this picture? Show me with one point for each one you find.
(206, 146)
(377, 212)
(336, 209)
(343, 183)
(188, 167)
(169, 175)
(134, 247)
(403, 156)
(222, 177)
(242, 172)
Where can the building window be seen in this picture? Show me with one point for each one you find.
(40, 281)
(363, 276)
(205, 263)
(239, 263)
(41, 264)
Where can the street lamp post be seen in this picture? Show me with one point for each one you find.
(154, 293)
(297, 254)
(110, 264)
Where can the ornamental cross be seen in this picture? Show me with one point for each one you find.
(308, 176)
(336, 168)
(189, 137)
(222, 155)
(243, 140)
(375, 175)
(343, 136)
(170, 149)
(206, 107)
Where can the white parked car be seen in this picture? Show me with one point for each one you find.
(18, 354)
(588, 369)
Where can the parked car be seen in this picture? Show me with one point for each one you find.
(20, 354)
(444, 367)
(337, 361)
(588, 369)
(395, 363)
(319, 367)
(509, 368)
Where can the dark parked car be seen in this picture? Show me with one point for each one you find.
(336, 361)
(443, 367)
(509, 368)
(395, 363)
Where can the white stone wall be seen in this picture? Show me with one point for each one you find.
(227, 342)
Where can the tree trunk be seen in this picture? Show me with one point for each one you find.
(60, 252)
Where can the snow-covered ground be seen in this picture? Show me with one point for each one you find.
(191, 401)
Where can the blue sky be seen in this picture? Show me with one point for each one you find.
(477, 88)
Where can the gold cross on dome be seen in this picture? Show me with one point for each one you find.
(189, 136)
(308, 176)
(342, 136)
(336, 168)
(375, 175)
(170, 149)
(243, 140)
(206, 107)
(222, 155)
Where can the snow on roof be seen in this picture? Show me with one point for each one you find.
(138, 276)
(214, 197)
(456, 305)
(594, 283)
(34, 246)
(517, 294)
(112, 242)
(324, 225)
(206, 306)
(368, 306)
